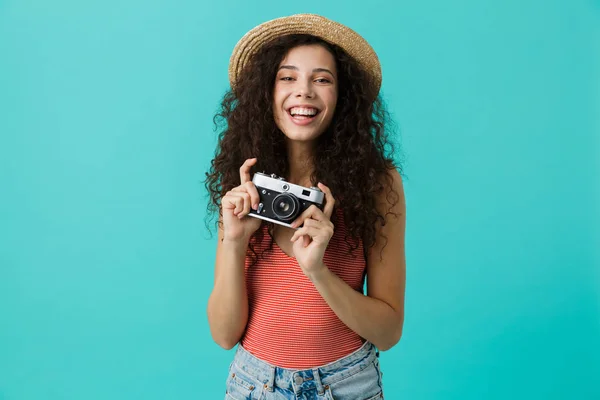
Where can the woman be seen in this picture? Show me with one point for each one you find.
(305, 105)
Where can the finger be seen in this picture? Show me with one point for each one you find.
(253, 192)
(228, 201)
(329, 200)
(250, 189)
(311, 231)
(245, 204)
(311, 212)
(313, 222)
(235, 201)
(306, 240)
(245, 170)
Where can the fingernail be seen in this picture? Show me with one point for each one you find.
(255, 206)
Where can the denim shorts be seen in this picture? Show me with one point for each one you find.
(356, 376)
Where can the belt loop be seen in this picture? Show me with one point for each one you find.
(271, 382)
(317, 378)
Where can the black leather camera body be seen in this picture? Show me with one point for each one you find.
(281, 202)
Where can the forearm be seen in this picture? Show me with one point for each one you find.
(372, 319)
(228, 303)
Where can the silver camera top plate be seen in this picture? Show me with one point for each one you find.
(314, 195)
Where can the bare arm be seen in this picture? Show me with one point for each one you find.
(227, 308)
(379, 316)
(228, 303)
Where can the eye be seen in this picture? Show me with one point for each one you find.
(323, 80)
(286, 78)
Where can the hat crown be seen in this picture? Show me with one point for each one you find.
(312, 24)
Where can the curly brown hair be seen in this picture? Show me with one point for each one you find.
(353, 155)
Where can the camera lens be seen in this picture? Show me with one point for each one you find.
(286, 206)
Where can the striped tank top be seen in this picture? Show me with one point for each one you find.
(289, 324)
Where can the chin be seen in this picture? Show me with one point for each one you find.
(299, 136)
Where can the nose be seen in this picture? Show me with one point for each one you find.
(304, 89)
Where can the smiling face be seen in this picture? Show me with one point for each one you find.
(305, 92)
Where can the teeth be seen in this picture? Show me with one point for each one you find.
(303, 111)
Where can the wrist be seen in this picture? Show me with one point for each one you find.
(318, 274)
(236, 245)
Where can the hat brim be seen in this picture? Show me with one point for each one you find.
(330, 31)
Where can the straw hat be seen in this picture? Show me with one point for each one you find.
(313, 24)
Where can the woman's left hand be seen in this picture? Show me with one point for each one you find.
(312, 239)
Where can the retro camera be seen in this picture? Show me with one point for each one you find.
(282, 202)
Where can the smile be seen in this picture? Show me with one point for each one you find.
(303, 116)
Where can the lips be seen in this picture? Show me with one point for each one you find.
(302, 120)
(302, 114)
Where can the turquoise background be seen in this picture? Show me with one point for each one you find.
(106, 131)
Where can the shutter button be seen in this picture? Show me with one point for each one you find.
(299, 380)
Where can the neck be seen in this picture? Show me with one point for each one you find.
(300, 156)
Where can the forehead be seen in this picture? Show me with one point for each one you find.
(309, 56)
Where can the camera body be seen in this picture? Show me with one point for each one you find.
(282, 202)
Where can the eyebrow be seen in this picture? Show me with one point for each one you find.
(314, 70)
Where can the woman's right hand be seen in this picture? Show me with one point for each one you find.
(236, 205)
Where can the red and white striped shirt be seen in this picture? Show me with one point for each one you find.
(289, 324)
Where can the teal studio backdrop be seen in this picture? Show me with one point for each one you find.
(106, 131)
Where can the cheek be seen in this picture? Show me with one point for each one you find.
(276, 106)
(278, 98)
(331, 99)
(332, 104)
